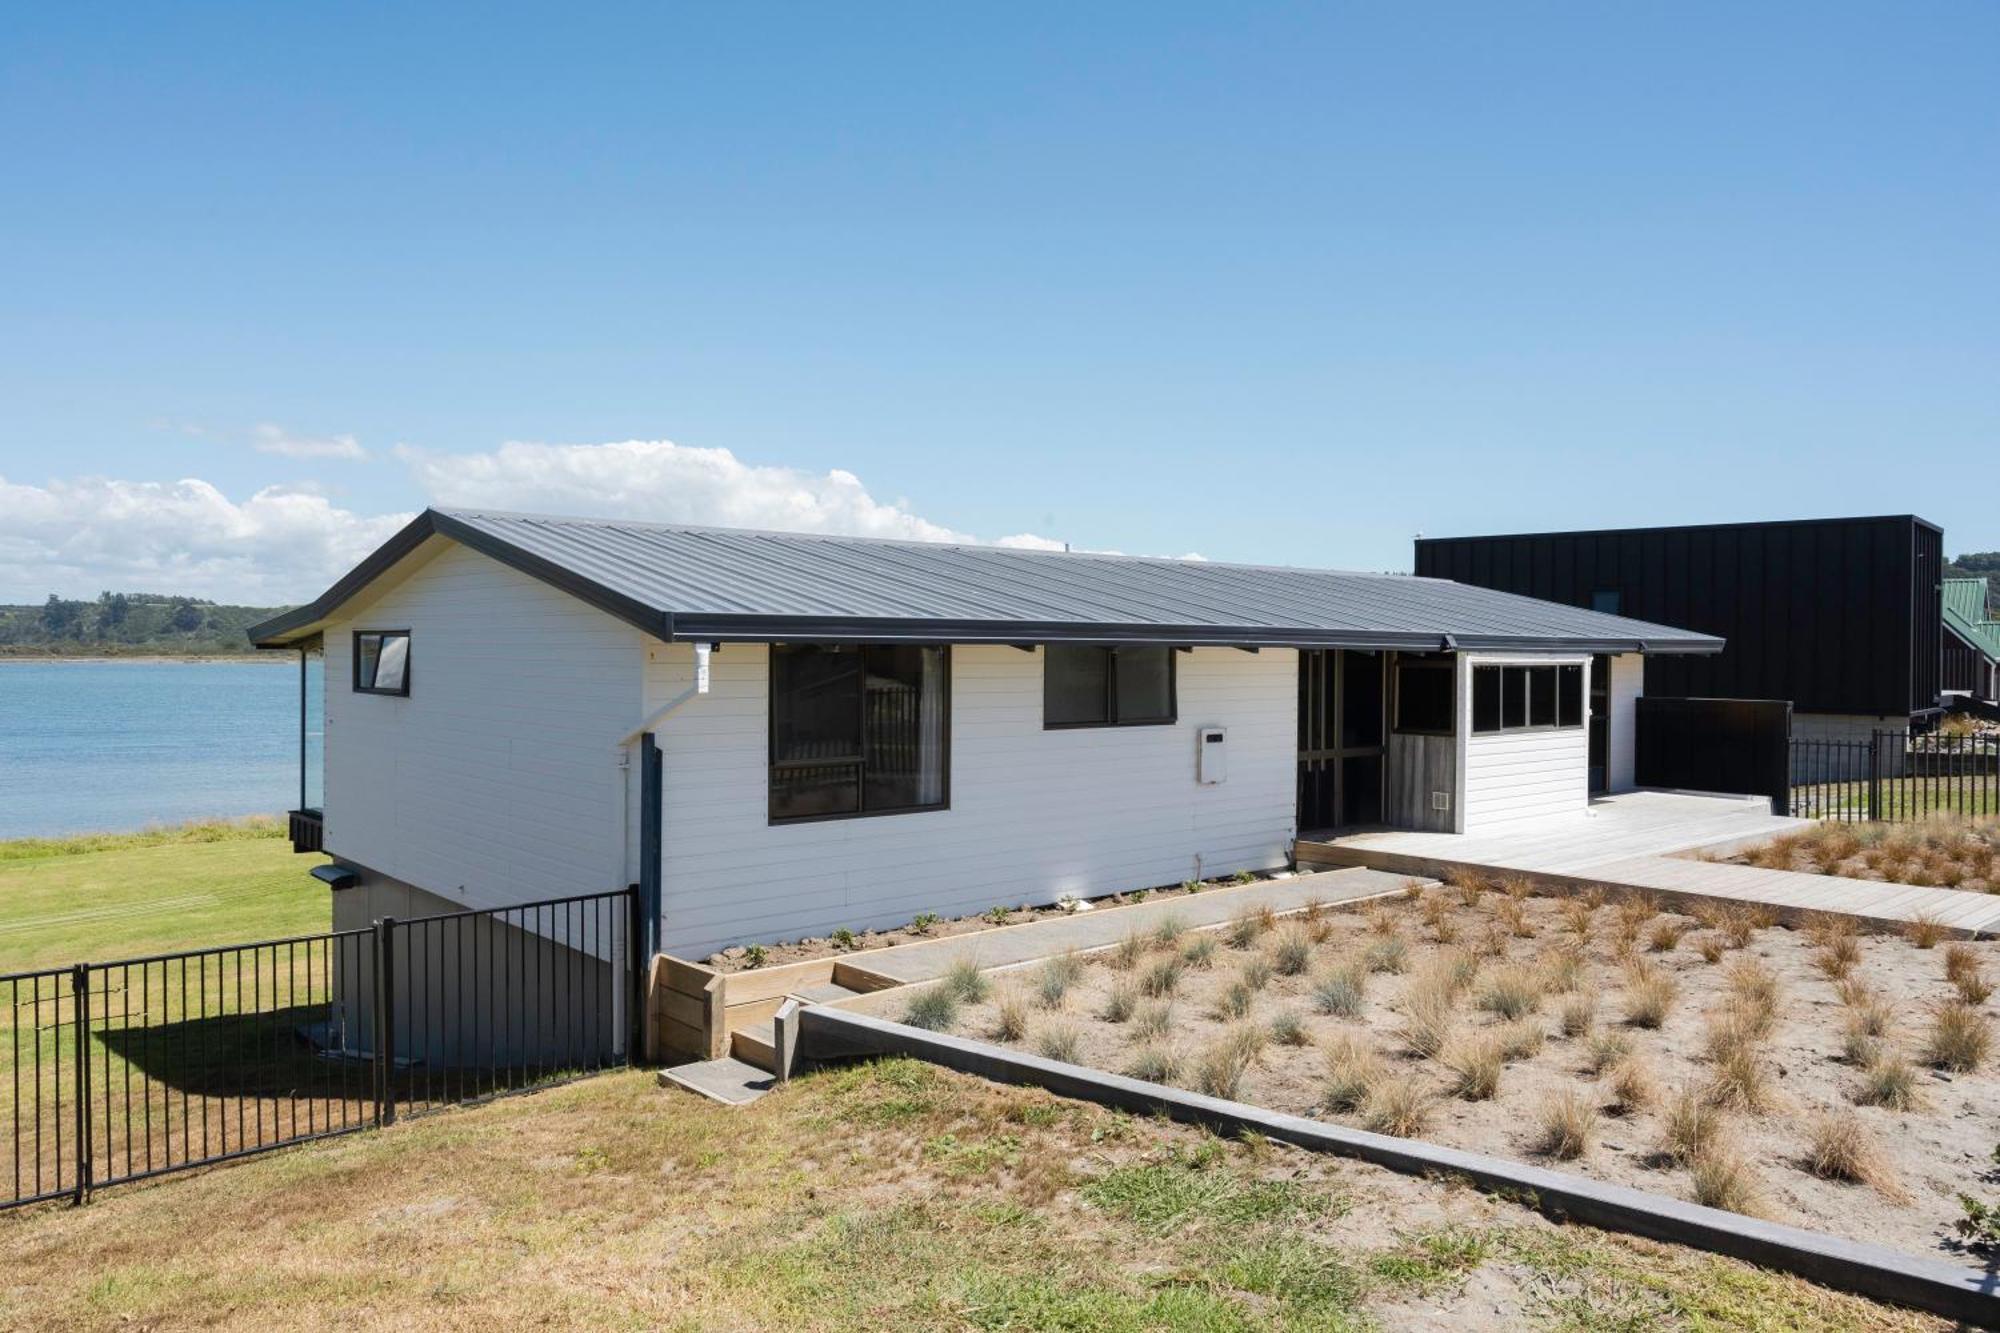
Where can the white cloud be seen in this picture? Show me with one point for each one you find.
(80, 536)
(271, 439)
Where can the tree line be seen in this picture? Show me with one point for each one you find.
(133, 623)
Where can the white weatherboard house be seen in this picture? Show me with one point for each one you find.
(848, 732)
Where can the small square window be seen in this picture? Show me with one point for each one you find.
(382, 661)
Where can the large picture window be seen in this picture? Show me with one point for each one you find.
(1088, 686)
(382, 661)
(1527, 698)
(858, 730)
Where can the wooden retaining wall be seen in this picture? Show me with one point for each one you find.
(692, 1009)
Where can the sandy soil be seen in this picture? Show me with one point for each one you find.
(1935, 1152)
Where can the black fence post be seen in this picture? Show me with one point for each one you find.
(79, 988)
(385, 1021)
(635, 937)
(1874, 775)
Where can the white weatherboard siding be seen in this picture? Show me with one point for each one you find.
(1034, 814)
(497, 780)
(1515, 775)
(1628, 683)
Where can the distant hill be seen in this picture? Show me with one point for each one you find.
(128, 624)
(1975, 565)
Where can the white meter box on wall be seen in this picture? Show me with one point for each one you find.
(1211, 760)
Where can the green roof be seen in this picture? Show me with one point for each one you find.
(1965, 614)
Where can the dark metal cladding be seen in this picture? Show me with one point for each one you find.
(722, 584)
(1837, 615)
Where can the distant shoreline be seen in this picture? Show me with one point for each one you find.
(154, 659)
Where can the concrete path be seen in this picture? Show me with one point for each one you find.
(1105, 926)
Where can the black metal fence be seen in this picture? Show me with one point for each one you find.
(1896, 776)
(125, 1070)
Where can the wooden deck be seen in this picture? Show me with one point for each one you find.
(1653, 841)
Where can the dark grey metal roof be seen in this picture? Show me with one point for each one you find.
(728, 584)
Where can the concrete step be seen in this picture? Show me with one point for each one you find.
(824, 993)
(730, 1081)
(756, 1045)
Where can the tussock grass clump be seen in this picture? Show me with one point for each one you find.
(1513, 916)
(1058, 1041)
(1352, 1067)
(1579, 918)
(1152, 1021)
(1288, 1029)
(1924, 931)
(1467, 884)
(1862, 1032)
(1167, 931)
(1120, 1002)
(1710, 946)
(1823, 928)
(1475, 1063)
(1633, 1087)
(1959, 1038)
(1438, 918)
(1723, 1179)
(1742, 1079)
(1199, 952)
(1389, 953)
(1428, 1016)
(1605, 1050)
(1155, 1064)
(1341, 990)
(1756, 992)
(1511, 992)
(1125, 954)
(1234, 1002)
(1162, 977)
(1010, 1016)
(1690, 1127)
(1256, 972)
(1649, 996)
(934, 1007)
(1567, 1124)
(1665, 936)
(1838, 956)
(1964, 970)
(1219, 1069)
(1291, 951)
(1564, 970)
(967, 982)
(1521, 1040)
(1248, 926)
(1055, 977)
(1738, 925)
(1889, 1080)
(1578, 1014)
(1379, 918)
(1839, 1147)
(1518, 888)
(1396, 1104)
(1625, 936)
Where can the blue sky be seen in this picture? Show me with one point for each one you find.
(1280, 284)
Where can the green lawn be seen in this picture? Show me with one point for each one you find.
(113, 896)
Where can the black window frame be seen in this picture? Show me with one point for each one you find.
(1444, 665)
(378, 635)
(1558, 674)
(1111, 718)
(772, 764)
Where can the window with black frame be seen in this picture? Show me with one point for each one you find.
(1087, 685)
(382, 661)
(1527, 698)
(858, 730)
(1425, 686)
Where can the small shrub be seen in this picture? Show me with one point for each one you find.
(1341, 990)
(1256, 972)
(1924, 931)
(1649, 996)
(1633, 1087)
(1162, 977)
(1475, 1063)
(843, 937)
(996, 915)
(1010, 1021)
(755, 955)
(1058, 1041)
(1199, 952)
(967, 982)
(1390, 953)
(1234, 1002)
(1288, 1029)
(1739, 925)
(925, 922)
(1606, 1049)
(1578, 1014)
(1291, 951)
(1120, 1002)
(1243, 877)
(1889, 1080)
(1511, 992)
(1352, 1067)
(1690, 1127)
(1568, 1124)
(1522, 1040)
(1722, 1179)
(1152, 1021)
(1154, 1064)
(1168, 931)
(1839, 1147)
(1959, 1037)
(1125, 954)
(934, 1007)
(1396, 1104)
(1666, 933)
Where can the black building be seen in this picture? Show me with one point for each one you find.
(1841, 616)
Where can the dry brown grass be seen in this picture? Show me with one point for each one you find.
(1518, 888)
(1010, 1016)
(1467, 884)
(1511, 991)
(1512, 914)
(1219, 1069)
(1521, 1040)
(1353, 1066)
(1564, 969)
(1965, 970)
(1474, 1063)
(1839, 1147)
(1923, 931)
(1649, 995)
(1723, 1179)
(1429, 1013)
(1567, 1125)
(1579, 918)
(1633, 1085)
(1889, 1080)
(1742, 1079)
(1665, 936)
(1710, 946)
(1959, 1038)
(1690, 1126)
(1605, 1050)
(1396, 1104)
(1578, 1014)
(1291, 950)
(1125, 954)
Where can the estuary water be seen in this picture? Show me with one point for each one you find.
(93, 746)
